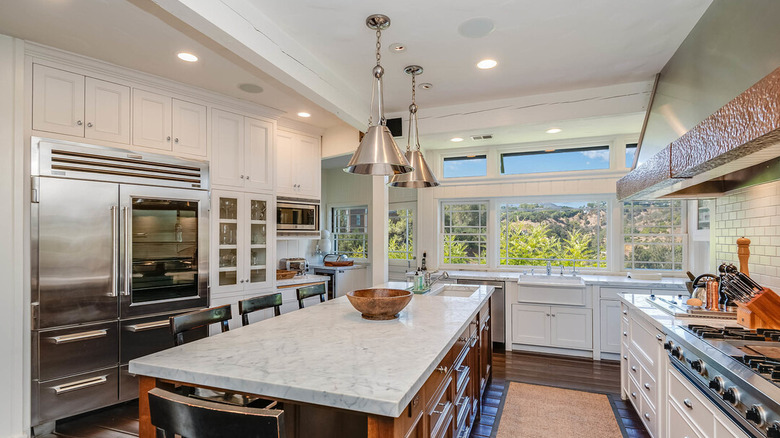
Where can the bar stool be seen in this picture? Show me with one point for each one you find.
(221, 315)
(173, 414)
(249, 305)
(311, 291)
(199, 318)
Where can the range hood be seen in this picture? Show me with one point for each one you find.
(737, 146)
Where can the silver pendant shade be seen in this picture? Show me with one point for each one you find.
(377, 153)
(421, 176)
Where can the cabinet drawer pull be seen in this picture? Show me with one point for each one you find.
(625, 312)
(647, 415)
(147, 326)
(659, 337)
(625, 357)
(176, 140)
(443, 405)
(688, 403)
(633, 394)
(168, 138)
(633, 368)
(75, 337)
(80, 384)
(79, 122)
(647, 386)
(463, 339)
(442, 369)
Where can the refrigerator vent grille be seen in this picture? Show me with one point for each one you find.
(129, 166)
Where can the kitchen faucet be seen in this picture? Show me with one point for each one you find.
(444, 275)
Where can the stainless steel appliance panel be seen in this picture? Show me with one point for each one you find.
(76, 394)
(497, 309)
(143, 336)
(64, 352)
(163, 249)
(77, 228)
(128, 384)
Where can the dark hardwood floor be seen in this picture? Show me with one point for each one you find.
(561, 371)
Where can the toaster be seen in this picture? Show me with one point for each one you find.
(297, 264)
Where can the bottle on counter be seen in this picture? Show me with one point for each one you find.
(423, 267)
(419, 280)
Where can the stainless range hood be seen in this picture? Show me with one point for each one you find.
(737, 146)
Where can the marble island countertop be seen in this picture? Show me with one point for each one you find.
(326, 354)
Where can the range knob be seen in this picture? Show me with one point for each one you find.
(717, 385)
(774, 430)
(756, 414)
(698, 366)
(731, 395)
(668, 345)
(677, 352)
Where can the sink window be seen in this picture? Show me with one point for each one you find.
(464, 233)
(570, 232)
(350, 235)
(654, 235)
(401, 234)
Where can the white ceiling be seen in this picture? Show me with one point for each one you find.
(317, 55)
(140, 35)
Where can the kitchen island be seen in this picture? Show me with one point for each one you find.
(341, 375)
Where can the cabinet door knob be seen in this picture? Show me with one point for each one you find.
(553, 315)
(647, 386)
(442, 369)
(647, 415)
(633, 394)
(688, 403)
(168, 138)
(240, 281)
(242, 176)
(79, 122)
(89, 124)
(247, 177)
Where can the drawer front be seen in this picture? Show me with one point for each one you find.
(569, 296)
(678, 427)
(634, 396)
(648, 416)
(75, 350)
(649, 387)
(634, 368)
(690, 404)
(646, 342)
(440, 409)
(76, 394)
(128, 384)
(145, 336)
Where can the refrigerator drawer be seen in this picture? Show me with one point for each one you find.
(64, 352)
(76, 394)
(128, 384)
(143, 336)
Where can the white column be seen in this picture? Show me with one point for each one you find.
(377, 238)
(15, 360)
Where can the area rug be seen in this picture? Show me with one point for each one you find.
(533, 411)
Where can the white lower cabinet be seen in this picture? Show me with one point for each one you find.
(552, 326)
(610, 326)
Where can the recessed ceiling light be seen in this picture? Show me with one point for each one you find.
(303, 114)
(486, 64)
(397, 47)
(250, 88)
(189, 57)
(426, 85)
(456, 139)
(553, 130)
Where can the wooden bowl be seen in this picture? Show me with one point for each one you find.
(282, 274)
(379, 304)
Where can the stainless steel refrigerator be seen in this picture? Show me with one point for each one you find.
(119, 244)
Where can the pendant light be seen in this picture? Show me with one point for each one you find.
(421, 176)
(378, 154)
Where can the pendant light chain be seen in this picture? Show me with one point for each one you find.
(374, 82)
(378, 46)
(416, 132)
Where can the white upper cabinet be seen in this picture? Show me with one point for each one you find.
(72, 104)
(107, 111)
(189, 128)
(298, 165)
(242, 151)
(58, 101)
(151, 120)
(161, 122)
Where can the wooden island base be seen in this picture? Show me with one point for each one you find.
(447, 405)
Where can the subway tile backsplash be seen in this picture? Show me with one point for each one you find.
(752, 212)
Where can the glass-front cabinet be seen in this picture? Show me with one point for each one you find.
(241, 256)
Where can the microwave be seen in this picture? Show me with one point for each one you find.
(295, 215)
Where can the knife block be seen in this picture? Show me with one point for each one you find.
(763, 311)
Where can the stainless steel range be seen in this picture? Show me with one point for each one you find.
(736, 368)
(119, 243)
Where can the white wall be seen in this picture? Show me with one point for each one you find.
(339, 140)
(14, 368)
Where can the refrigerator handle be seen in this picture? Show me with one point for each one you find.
(128, 262)
(114, 252)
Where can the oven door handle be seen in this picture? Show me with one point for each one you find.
(128, 262)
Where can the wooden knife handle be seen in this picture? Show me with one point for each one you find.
(743, 252)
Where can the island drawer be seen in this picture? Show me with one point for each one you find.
(74, 350)
(690, 405)
(440, 409)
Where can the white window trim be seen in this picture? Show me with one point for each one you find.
(685, 234)
(440, 224)
(332, 226)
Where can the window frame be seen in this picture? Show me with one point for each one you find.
(552, 150)
(334, 234)
(412, 207)
(466, 156)
(489, 231)
(683, 235)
